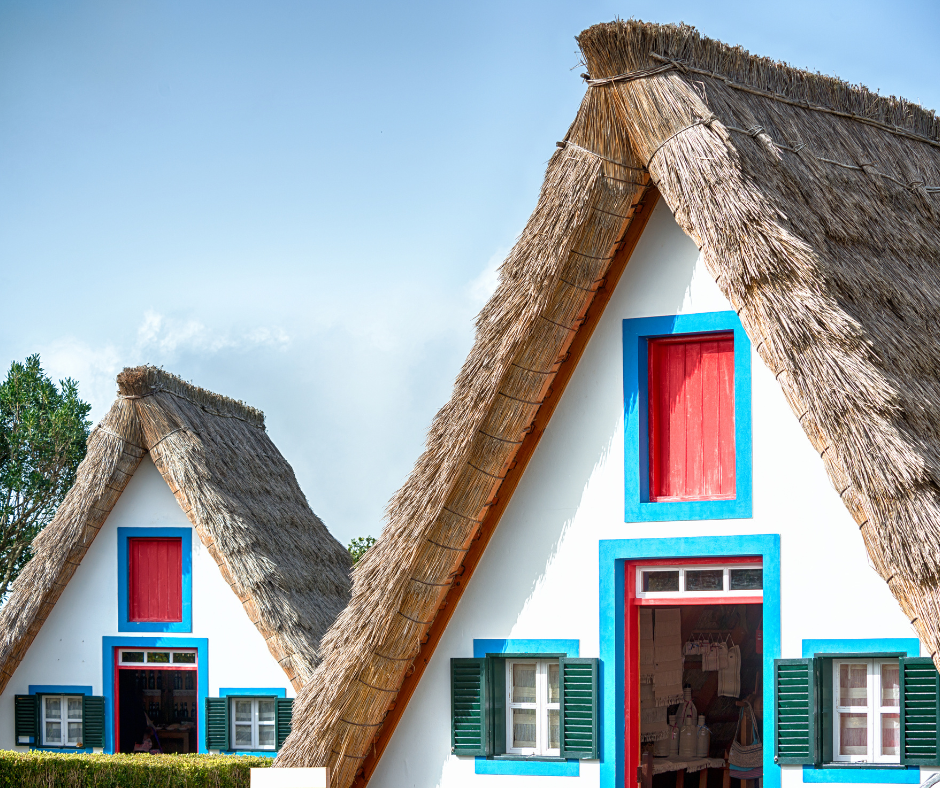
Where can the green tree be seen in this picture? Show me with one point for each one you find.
(358, 546)
(43, 431)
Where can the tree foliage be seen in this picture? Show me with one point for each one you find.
(358, 546)
(43, 431)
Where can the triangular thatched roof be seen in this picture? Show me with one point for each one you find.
(291, 575)
(816, 205)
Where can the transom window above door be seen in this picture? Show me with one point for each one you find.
(728, 580)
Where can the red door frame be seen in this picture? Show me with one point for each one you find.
(631, 645)
(142, 666)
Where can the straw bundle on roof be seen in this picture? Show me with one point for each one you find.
(815, 204)
(290, 574)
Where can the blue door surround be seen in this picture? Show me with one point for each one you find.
(613, 555)
(108, 644)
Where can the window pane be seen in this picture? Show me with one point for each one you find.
(746, 579)
(75, 708)
(53, 706)
(523, 727)
(188, 657)
(704, 580)
(75, 732)
(53, 732)
(266, 735)
(243, 735)
(661, 581)
(553, 694)
(266, 711)
(553, 738)
(243, 711)
(132, 656)
(890, 734)
(158, 656)
(523, 683)
(853, 734)
(890, 685)
(853, 684)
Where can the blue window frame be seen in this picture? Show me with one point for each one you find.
(613, 555)
(636, 333)
(186, 625)
(253, 692)
(109, 644)
(533, 768)
(852, 773)
(58, 689)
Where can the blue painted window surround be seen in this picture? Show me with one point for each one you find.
(253, 692)
(186, 625)
(541, 768)
(612, 558)
(636, 332)
(109, 644)
(850, 773)
(58, 689)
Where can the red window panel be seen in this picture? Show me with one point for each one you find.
(691, 418)
(155, 579)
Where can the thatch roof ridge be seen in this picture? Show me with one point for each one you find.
(623, 46)
(147, 380)
(238, 491)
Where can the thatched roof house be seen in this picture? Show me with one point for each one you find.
(816, 206)
(290, 574)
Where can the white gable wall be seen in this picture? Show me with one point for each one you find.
(68, 648)
(539, 575)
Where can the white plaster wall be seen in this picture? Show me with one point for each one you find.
(539, 575)
(67, 649)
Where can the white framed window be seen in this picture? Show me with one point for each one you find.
(133, 657)
(252, 723)
(717, 580)
(61, 720)
(532, 707)
(866, 711)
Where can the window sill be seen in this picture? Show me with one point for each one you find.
(877, 773)
(529, 765)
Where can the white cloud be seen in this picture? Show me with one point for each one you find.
(159, 340)
(169, 337)
(94, 369)
(484, 285)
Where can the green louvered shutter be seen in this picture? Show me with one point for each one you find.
(920, 710)
(217, 724)
(92, 721)
(283, 709)
(795, 709)
(578, 704)
(469, 718)
(26, 718)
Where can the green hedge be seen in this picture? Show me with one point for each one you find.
(79, 770)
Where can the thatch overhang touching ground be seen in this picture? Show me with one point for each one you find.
(816, 205)
(290, 574)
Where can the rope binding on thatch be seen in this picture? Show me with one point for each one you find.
(669, 64)
(868, 168)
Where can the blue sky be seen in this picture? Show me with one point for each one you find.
(302, 205)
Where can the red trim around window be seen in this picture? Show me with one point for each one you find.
(155, 579)
(691, 418)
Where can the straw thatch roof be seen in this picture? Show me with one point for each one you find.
(290, 574)
(815, 204)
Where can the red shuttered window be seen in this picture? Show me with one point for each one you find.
(691, 418)
(155, 579)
